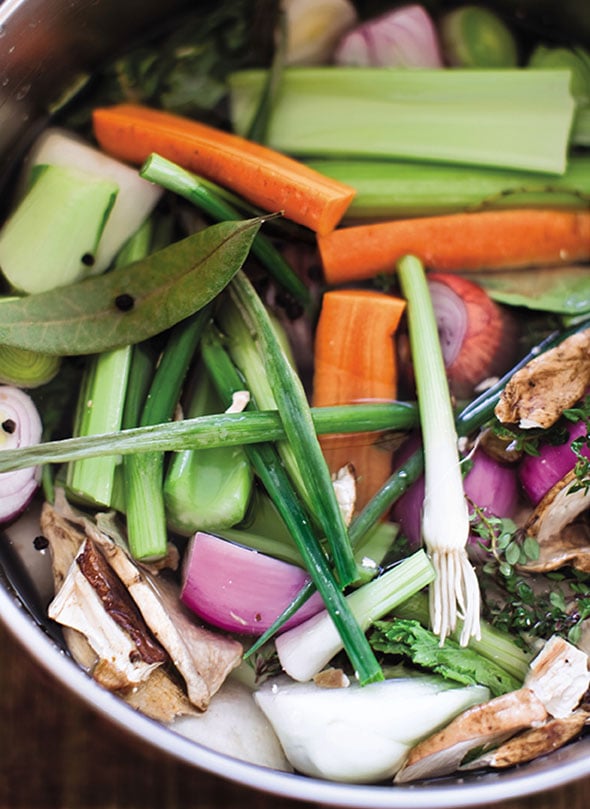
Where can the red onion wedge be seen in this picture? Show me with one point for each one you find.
(492, 486)
(20, 426)
(404, 37)
(539, 473)
(238, 589)
(477, 335)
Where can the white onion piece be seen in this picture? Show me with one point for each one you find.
(239, 589)
(405, 37)
(20, 426)
(491, 485)
(539, 473)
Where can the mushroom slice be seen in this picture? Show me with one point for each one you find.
(533, 743)
(160, 697)
(479, 727)
(537, 394)
(556, 523)
(90, 602)
(203, 658)
(559, 676)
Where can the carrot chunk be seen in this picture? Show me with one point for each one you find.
(355, 361)
(266, 178)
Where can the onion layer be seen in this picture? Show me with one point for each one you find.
(539, 473)
(20, 426)
(239, 589)
(404, 37)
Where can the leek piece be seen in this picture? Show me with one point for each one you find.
(26, 369)
(510, 118)
(51, 238)
(445, 517)
(472, 36)
(296, 418)
(227, 429)
(102, 401)
(206, 489)
(308, 647)
(387, 189)
(144, 473)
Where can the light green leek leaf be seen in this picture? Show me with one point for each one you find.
(562, 290)
(510, 118)
(130, 303)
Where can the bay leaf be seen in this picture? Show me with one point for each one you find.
(131, 303)
(562, 290)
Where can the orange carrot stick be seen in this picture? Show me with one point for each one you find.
(355, 361)
(494, 240)
(268, 179)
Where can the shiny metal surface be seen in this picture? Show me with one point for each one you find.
(45, 47)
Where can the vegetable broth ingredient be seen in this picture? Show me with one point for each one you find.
(355, 360)
(239, 589)
(445, 517)
(130, 303)
(537, 395)
(409, 639)
(314, 28)
(359, 735)
(307, 648)
(389, 189)
(50, 239)
(20, 425)
(27, 369)
(490, 240)
(135, 200)
(474, 36)
(263, 176)
(453, 116)
(402, 37)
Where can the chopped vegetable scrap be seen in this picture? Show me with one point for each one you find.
(266, 178)
(490, 240)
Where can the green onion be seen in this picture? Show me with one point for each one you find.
(445, 518)
(507, 118)
(210, 199)
(295, 415)
(388, 189)
(227, 429)
(270, 470)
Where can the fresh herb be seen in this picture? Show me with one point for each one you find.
(409, 639)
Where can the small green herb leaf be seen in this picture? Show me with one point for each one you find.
(132, 303)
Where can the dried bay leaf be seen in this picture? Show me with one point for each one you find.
(131, 303)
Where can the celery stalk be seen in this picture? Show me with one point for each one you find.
(510, 118)
(387, 189)
(206, 489)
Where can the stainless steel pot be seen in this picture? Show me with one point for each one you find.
(46, 47)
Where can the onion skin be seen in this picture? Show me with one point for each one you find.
(539, 473)
(404, 37)
(240, 590)
(490, 485)
(20, 426)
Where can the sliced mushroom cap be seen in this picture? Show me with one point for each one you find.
(533, 743)
(479, 727)
(537, 394)
(559, 528)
